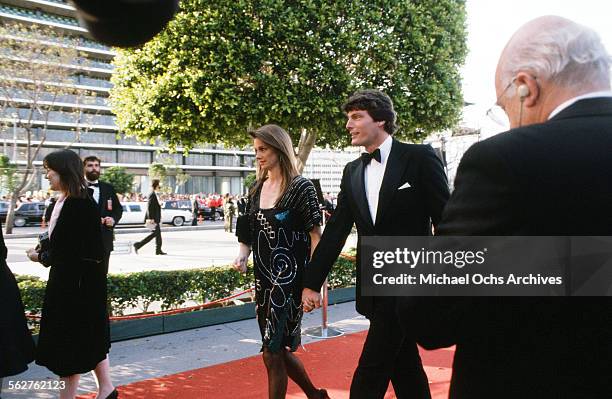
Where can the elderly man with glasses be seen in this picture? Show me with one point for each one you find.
(549, 175)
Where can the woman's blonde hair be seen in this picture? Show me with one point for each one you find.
(277, 138)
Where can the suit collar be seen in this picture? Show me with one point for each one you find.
(587, 107)
(358, 188)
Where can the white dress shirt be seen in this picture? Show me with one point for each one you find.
(96, 191)
(373, 176)
(572, 101)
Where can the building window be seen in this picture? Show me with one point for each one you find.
(134, 157)
(107, 156)
(199, 159)
(228, 160)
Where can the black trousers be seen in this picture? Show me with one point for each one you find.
(388, 355)
(154, 234)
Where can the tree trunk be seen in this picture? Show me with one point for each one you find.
(10, 216)
(305, 146)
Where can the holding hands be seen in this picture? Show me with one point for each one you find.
(310, 300)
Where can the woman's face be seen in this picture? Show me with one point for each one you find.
(54, 179)
(265, 155)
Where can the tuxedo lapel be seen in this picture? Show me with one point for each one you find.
(396, 164)
(358, 187)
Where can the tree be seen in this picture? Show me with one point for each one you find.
(38, 67)
(117, 177)
(158, 171)
(223, 67)
(249, 181)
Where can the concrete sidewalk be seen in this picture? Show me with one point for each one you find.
(161, 355)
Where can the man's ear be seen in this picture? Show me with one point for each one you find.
(527, 88)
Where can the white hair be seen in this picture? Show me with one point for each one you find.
(566, 53)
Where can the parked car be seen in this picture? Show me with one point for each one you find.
(210, 213)
(26, 213)
(135, 213)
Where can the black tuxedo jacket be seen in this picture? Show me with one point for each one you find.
(406, 212)
(112, 209)
(153, 208)
(550, 179)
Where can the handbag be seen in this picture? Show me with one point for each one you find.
(150, 225)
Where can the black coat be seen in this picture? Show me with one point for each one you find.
(106, 209)
(73, 331)
(16, 344)
(406, 212)
(550, 179)
(153, 208)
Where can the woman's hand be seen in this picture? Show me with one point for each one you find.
(240, 263)
(32, 254)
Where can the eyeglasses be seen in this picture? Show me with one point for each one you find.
(496, 113)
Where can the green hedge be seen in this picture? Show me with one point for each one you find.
(173, 288)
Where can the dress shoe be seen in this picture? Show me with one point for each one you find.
(160, 253)
(136, 248)
(323, 394)
(113, 395)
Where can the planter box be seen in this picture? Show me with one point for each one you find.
(129, 329)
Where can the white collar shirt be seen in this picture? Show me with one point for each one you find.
(572, 101)
(96, 191)
(373, 176)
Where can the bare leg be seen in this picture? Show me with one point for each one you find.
(102, 373)
(71, 384)
(297, 372)
(277, 374)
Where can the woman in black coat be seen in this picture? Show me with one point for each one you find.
(73, 330)
(16, 345)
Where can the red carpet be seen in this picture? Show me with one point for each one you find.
(330, 364)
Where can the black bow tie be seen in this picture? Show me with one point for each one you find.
(367, 157)
(93, 184)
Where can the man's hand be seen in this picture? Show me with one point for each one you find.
(310, 300)
(108, 221)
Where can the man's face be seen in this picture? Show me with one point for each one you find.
(92, 170)
(363, 129)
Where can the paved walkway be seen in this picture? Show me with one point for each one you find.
(162, 355)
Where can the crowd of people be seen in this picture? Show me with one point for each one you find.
(546, 176)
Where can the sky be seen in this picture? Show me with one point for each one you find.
(491, 23)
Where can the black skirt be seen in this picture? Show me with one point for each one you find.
(16, 345)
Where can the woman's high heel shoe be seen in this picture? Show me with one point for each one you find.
(113, 395)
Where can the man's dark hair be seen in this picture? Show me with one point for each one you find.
(378, 105)
(155, 184)
(91, 158)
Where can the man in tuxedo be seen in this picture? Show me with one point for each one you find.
(550, 175)
(154, 215)
(395, 189)
(108, 204)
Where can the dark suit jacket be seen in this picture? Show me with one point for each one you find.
(407, 212)
(153, 208)
(550, 179)
(107, 192)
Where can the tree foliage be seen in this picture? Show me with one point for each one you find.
(222, 67)
(117, 177)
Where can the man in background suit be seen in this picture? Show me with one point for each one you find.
(108, 204)
(153, 214)
(395, 189)
(550, 175)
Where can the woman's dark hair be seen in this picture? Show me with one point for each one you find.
(69, 167)
(378, 105)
